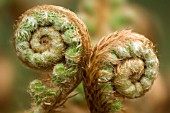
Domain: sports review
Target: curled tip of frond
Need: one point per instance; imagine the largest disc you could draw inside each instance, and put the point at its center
(132, 59)
(45, 34)
(123, 62)
(52, 39)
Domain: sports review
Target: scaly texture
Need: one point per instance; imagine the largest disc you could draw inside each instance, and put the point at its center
(52, 39)
(122, 63)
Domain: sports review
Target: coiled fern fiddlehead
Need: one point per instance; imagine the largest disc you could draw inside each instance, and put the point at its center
(52, 39)
(122, 63)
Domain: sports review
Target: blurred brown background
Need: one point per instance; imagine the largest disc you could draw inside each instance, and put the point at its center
(148, 17)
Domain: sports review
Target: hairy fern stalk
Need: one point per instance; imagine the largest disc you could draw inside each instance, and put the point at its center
(122, 64)
(52, 39)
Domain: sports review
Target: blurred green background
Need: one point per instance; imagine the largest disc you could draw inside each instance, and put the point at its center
(152, 18)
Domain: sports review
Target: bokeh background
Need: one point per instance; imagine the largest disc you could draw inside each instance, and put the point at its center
(148, 17)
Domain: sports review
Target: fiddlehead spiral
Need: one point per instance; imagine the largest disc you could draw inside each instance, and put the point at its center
(123, 63)
(52, 39)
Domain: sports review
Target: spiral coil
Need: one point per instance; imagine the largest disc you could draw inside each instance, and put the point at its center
(124, 64)
(52, 39)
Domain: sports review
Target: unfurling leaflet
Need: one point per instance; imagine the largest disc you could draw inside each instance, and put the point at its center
(52, 39)
(122, 64)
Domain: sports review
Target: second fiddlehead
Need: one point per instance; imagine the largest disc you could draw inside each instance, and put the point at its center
(122, 63)
(52, 39)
